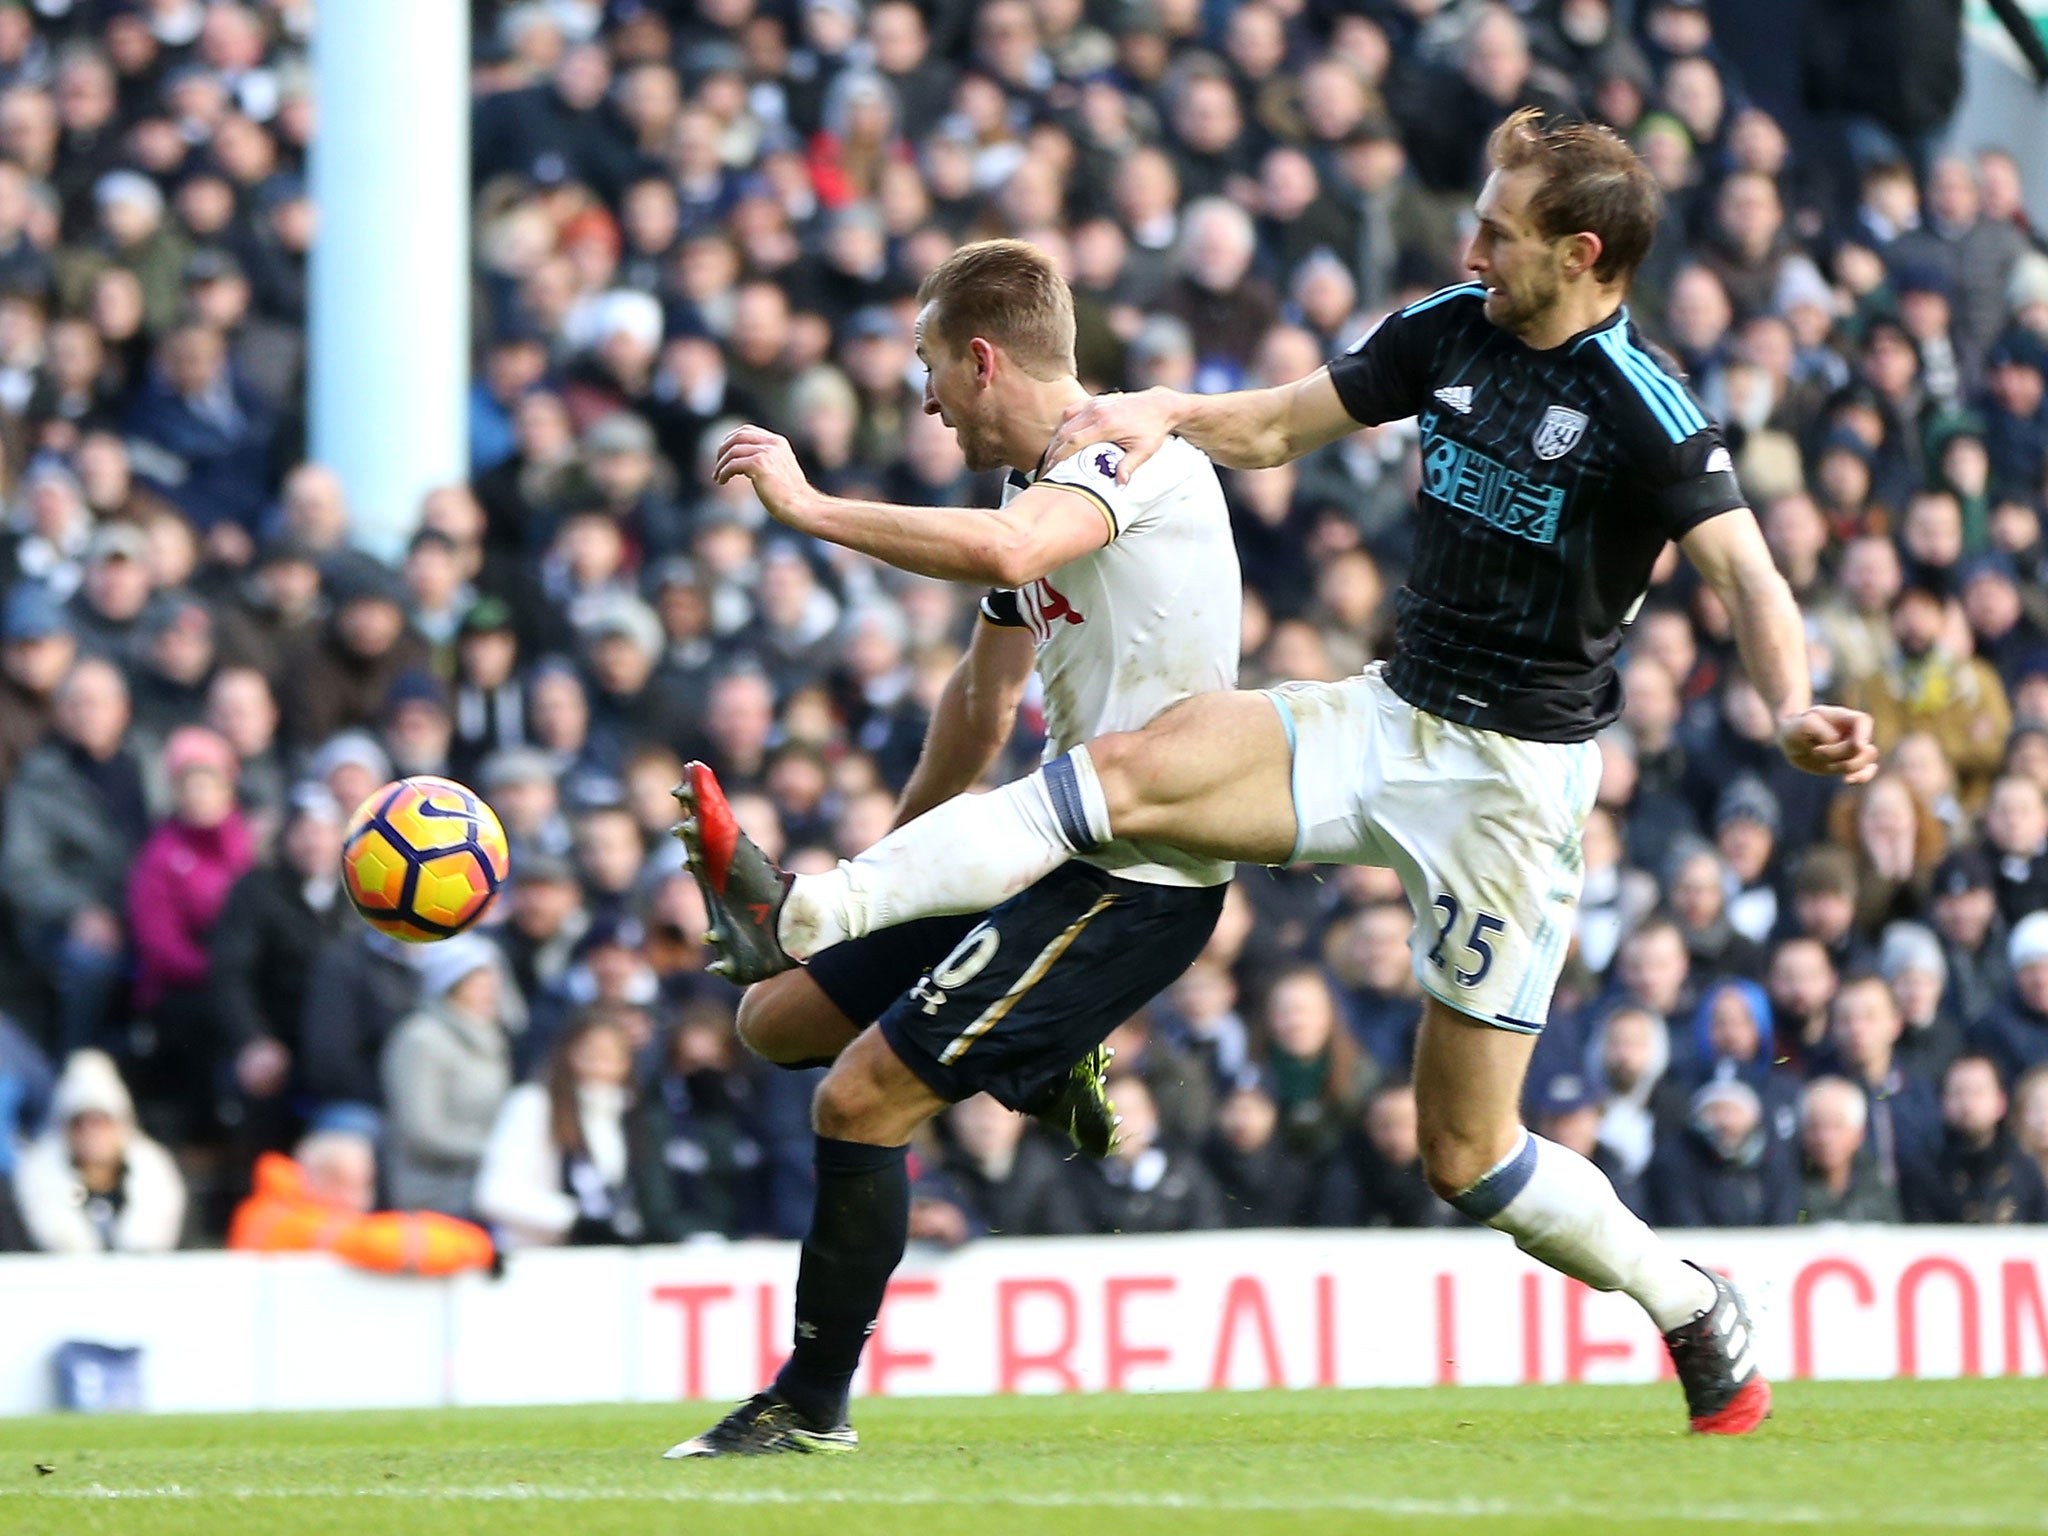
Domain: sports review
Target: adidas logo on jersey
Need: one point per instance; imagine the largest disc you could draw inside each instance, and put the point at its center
(1458, 397)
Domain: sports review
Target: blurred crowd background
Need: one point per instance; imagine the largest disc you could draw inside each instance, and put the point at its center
(1784, 1004)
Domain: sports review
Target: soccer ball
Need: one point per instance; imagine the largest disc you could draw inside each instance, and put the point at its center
(422, 859)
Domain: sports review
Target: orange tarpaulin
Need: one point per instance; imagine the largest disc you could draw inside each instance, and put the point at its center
(282, 1216)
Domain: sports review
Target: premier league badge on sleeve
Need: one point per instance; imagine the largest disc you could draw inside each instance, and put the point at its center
(1558, 433)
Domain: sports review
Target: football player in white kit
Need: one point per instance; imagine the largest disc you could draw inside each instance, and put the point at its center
(1125, 597)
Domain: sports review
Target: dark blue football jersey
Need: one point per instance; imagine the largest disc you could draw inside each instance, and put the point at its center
(1551, 481)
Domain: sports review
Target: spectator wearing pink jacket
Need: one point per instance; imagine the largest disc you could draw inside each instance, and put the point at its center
(179, 883)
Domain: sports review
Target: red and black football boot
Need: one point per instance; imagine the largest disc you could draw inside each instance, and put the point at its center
(1725, 1393)
(743, 890)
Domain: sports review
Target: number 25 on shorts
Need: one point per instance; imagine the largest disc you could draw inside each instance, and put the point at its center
(1483, 924)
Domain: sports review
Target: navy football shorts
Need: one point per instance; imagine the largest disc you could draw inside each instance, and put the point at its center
(1005, 1002)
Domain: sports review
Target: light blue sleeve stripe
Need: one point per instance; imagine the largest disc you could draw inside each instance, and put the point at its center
(1631, 364)
(1644, 388)
(1443, 297)
(1659, 401)
(1673, 392)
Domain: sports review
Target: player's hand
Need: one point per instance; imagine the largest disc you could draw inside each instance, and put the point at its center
(1139, 424)
(770, 463)
(1830, 740)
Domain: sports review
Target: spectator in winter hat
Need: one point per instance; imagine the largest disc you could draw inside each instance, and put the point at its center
(350, 764)
(1911, 962)
(131, 234)
(170, 686)
(181, 878)
(522, 787)
(1973, 935)
(36, 650)
(446, 1070)
(2015, 1033)
(1725, 1168)
(627, 703)
(109, 612)
(1565, 1108)
(341, 680)
(489, 707)
(1746, 827)
(2016, 412)
(93, 1182)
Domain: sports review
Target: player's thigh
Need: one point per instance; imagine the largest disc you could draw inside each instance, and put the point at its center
(812, 1014)
(870, 1096)
(1044, 979)
(1485, 833)
(1468, 1094)
(789, 1019)
(1209, 775)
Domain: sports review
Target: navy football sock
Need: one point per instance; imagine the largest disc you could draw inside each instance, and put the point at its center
(858, 1228)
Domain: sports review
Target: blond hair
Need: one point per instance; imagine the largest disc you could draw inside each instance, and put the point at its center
(1009, 294)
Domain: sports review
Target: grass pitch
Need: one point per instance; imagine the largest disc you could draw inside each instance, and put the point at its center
(1949, 1456)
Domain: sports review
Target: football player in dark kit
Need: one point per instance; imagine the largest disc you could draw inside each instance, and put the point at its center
(1559, 456)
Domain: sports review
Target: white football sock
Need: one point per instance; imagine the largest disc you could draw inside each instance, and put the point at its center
(1561, 1209)
(967, 855)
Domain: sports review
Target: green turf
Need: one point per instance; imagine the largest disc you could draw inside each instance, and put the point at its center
(1952, 1456)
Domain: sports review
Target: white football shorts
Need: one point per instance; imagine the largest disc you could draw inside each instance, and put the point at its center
(1483, 829)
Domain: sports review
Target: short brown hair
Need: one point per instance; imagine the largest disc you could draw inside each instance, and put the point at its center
(1592, 182)
(1008, 293)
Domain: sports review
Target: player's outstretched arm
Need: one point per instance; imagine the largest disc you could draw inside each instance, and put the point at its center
(1038, 532)
(1730, 552)
(976, 713)
(1246, 429)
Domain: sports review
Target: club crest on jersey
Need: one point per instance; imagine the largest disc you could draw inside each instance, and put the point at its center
(1558, 433)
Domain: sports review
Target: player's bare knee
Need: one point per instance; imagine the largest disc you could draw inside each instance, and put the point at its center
(1127, 767)
(755, 1022)
(1452, 1161)
(846, 1105)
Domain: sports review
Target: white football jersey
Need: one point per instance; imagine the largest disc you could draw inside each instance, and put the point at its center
(1153, 616)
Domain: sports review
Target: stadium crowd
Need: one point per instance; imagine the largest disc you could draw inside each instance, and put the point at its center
(1782, 1004)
